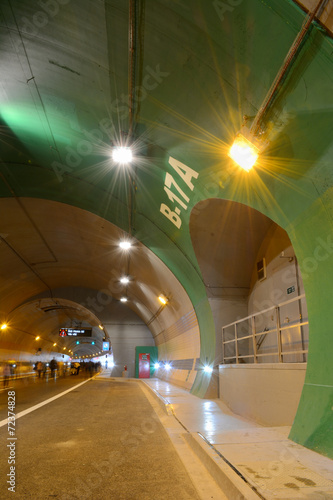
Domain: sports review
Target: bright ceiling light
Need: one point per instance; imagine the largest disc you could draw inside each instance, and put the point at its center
(3, 326)
(156, 366)
(123, 299)
(101, 327)
(125, 245)
(167, 367)
(122, 155)
(208, 369)
(244, 152)
(54, 344)
(163, 299)
(124, 280)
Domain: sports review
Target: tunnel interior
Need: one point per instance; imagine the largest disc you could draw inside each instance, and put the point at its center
(177, 83)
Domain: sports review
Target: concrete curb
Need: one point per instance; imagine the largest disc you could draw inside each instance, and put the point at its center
(164, 404)
(232, 485)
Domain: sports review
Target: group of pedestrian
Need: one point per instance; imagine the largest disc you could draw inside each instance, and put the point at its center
(87, 367)
(41, 368)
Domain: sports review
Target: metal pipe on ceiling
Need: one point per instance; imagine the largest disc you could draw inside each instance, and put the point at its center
(132, 73)
(285, 68)
(131, 63)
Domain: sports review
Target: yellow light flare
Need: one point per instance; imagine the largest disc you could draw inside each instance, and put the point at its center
(163, 299)
(243, 152)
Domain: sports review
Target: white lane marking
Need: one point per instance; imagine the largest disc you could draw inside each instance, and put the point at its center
(39, 405)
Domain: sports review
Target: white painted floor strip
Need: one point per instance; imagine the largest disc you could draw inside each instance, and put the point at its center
(43, 403)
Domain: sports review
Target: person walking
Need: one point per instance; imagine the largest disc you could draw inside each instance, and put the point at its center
(53, 367)
(6, 375)
(39, 368)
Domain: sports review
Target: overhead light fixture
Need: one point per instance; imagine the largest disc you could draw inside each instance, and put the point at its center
(4, 326)
(167, 366)
(125, 245)
(101, 327)
(122, 155)
(37, 338)
(64, 348)
(124, 280)
(123, 299)
(54, 344)
(163, 299)
(208, 369)
(156, 366)
(244, 152)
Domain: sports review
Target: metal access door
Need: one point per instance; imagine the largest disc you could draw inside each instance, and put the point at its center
(144, 365)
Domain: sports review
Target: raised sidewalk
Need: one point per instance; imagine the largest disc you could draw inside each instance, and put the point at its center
(247, 460)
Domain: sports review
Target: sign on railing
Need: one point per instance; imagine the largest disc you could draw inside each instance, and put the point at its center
(279, 334)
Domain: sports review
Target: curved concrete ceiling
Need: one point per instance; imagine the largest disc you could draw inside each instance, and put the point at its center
(47, 246)
(226, 237)
(35, 325)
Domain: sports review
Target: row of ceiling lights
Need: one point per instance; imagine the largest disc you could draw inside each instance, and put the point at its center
(4, 326)
(121, 155)
(124, 245)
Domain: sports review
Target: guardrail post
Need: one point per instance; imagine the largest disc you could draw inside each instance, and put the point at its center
(236, 343)
(278, 332)
(253, 327)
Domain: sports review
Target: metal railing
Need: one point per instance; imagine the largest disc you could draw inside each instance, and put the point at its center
(284, 338)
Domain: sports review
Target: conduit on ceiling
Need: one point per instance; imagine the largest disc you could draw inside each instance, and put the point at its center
(290, 59)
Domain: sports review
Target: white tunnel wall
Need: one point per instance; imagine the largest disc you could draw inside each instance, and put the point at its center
(268, 392)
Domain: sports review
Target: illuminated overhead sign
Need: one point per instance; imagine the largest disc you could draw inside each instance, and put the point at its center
(75, 332)
(106, 346)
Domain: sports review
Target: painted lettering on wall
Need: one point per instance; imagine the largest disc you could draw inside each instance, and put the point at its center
(176, 191)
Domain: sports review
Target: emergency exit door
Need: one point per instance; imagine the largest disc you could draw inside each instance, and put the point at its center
(144, 365)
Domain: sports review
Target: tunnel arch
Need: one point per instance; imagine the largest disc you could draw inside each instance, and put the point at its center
(72, 272)
(230, 239)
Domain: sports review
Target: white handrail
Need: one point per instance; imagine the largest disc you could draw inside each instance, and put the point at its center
(278, 329)
(266, 310)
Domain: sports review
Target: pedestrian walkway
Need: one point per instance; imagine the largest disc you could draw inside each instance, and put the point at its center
(246, 459)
